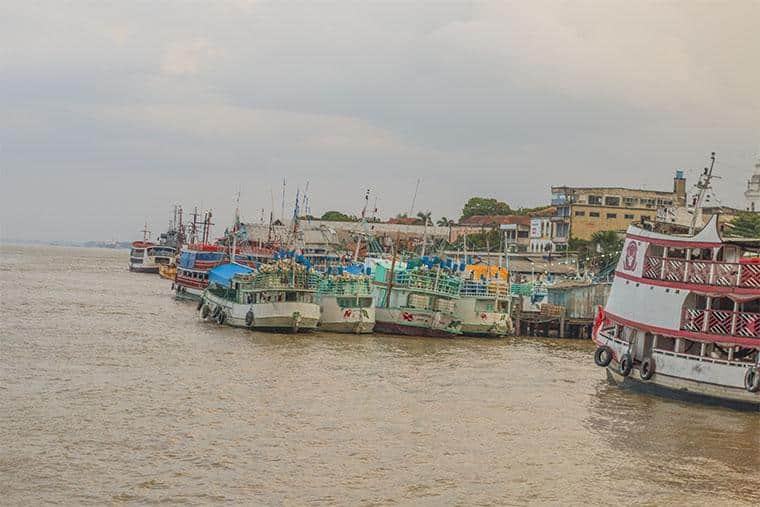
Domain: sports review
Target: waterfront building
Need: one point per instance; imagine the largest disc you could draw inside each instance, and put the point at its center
(752, 194)
(582, 211)
(541, 229)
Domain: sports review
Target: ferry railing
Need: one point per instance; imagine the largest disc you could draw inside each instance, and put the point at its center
(499, 289)
(345, 287)
(702, 272)
(285, 279)
(721, 322)
(429, 281)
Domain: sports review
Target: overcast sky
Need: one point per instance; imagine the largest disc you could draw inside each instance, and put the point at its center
(110, 112)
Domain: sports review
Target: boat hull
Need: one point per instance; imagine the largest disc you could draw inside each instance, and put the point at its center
(416, 322)
(334, 318)
(280, 316)
(690, 378)
(685, 390)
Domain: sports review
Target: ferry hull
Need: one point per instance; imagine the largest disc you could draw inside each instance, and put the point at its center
(685, 390)
(415, 322)
(283, 316)
(345, 320)
(139, 268)
(183, 292)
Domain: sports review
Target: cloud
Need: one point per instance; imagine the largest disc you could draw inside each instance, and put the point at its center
(185, 58)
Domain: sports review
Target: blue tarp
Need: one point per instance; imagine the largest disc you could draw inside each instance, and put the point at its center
(221, 275)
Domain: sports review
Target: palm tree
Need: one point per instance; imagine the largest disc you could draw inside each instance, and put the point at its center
(446, 222)
(424, 217)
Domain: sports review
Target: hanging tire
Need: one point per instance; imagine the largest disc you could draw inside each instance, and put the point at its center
(602, 356)
(752, 380)
(220, 317)
(626, 364)
(205, 311)
(215, 311)
(646, 370)
(200, 304)
(249, 318)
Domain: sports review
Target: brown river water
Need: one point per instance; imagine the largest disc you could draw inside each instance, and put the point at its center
(113, 392)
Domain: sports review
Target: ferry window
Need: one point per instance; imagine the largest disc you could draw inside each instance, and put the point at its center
(595, 199)
(628, 217)
(345, 302)
(290, 296)
(611, 215)
(612, 201)
(594, 214)
(365, 302)
(580, 213)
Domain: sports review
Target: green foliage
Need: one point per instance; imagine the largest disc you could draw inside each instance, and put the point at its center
(424, 217)
(603, 249)
(337, 216)
(489, 240)
(444, 222)
(745, 225)
(485, 206)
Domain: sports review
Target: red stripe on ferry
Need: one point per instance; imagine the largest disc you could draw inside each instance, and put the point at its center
(673, 242)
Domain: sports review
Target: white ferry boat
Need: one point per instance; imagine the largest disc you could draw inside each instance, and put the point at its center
(415, 300)
(146, 257)
(683, 317)
(274, 297)
(484, 307)
(346, 303)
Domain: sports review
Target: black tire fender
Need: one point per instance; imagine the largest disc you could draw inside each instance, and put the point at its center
(646, 370)
(205, 311)
(249, 318)
(200, 304)
(220, 317)
(215, 311)
(626, 364)
(602, 356)
(752, 380)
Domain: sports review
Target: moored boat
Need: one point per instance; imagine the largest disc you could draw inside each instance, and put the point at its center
(414, 299)
(277, 296)
(683, 317)
(346, 303)
(146, 256)
(484, 303)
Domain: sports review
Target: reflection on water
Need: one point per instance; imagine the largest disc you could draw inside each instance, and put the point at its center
(112, 391)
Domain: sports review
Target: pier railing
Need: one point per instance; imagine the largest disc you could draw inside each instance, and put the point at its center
(721, 322)
(702, 272)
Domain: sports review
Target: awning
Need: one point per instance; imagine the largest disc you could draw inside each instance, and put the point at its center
(221, 275)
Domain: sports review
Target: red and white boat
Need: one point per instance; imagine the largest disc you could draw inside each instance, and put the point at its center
(683, 317)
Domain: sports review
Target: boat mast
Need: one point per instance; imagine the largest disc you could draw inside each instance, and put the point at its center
(363, 226)
(390, 278)
(145, 231)
(703, 185)
(235, 222)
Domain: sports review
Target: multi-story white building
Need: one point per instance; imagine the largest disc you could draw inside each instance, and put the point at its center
(752, 195)
(541, 235)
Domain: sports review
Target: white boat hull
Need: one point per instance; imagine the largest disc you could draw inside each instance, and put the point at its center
(481, 323)
(288, 315)
(681, 376)
(339, 319)
(416, 322)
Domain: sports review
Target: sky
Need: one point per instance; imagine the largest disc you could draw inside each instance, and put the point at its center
(112, 112)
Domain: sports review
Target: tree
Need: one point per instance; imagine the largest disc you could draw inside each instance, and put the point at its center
(424, 217)
(745, 225)
(337, 216)
(446, 222)
(485, 206)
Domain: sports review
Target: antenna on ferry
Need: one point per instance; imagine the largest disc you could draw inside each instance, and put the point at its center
(703, 185)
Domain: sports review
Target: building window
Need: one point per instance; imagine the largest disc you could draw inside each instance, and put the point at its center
(580, 213)
(645, 218)
(648, 203)
(595, 199)
(612, 201)
(628, 217)
(594, 214)
(630, 202)
(611, 215)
